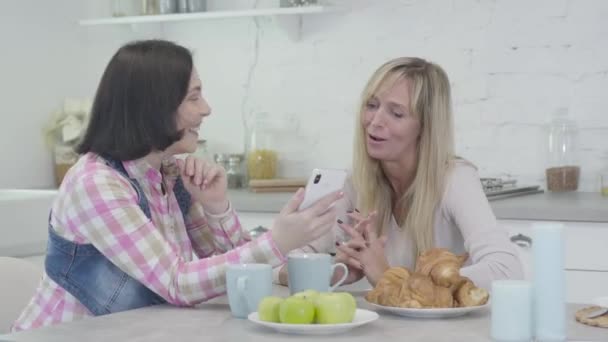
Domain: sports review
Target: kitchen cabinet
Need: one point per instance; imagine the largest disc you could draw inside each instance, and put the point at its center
(585, 256)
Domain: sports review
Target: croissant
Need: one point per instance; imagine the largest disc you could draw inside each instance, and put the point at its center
(428, 295)
(387, 290)
(437, 283)
(396, 275)
(470, 295)
(442, 266)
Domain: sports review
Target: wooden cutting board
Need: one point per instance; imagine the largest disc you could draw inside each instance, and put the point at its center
(277, 183)
(276, 189)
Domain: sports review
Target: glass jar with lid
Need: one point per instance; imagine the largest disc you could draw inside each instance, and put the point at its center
(261, 149)
(604, 175)
(234, 171)
(125, 8)
(562, 171)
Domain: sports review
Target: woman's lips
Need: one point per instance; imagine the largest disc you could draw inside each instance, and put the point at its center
(376, 138)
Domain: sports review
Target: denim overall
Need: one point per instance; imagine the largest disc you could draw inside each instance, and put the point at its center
(93, 279)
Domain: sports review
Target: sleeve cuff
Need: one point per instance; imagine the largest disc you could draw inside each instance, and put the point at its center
(219, 217)
(275, 249)
(226, 221)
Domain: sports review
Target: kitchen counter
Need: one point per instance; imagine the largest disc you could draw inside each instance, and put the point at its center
(571, 206)
(212, 322)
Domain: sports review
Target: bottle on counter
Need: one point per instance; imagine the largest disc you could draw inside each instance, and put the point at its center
(562, 171)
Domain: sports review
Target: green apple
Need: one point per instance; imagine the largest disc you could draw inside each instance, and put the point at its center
(294, 310)
(335, 308)
(268, 309)
(310, 295)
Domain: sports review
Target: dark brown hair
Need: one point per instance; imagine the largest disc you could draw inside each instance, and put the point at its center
(134, 111)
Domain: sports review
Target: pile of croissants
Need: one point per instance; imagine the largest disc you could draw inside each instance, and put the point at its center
(436, 283)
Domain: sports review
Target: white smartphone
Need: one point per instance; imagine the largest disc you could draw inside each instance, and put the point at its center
(322, 182)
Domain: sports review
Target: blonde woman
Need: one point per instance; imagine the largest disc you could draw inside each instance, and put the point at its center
(410, 187)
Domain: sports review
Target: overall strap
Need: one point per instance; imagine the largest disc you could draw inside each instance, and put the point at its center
(143, 201)
(182, 195)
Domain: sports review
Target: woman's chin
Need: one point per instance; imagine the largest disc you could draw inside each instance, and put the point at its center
(182, 148)
(376, 155)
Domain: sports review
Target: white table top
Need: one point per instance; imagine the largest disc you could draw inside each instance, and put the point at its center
(212, 321)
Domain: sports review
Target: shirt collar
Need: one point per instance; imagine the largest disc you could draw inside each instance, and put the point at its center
(140, 169)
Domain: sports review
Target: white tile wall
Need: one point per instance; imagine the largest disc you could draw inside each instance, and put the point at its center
(512, 63)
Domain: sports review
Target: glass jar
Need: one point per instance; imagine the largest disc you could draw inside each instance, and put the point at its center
(124, 8)
(234, 171)
(297, 3)
(562, 170)
(155, 7)
(197, 5)
(185, 6)
(202, 151)
(604, 175)
(221, 159)
(261, 150)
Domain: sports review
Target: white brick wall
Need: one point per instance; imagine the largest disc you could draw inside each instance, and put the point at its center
(512, 63)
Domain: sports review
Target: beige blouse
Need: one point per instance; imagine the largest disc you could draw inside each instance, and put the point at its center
(464, 222)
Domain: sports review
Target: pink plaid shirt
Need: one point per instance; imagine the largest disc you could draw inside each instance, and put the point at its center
(97, 205)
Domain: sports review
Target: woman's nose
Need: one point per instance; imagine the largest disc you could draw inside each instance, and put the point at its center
(206, 109)
(378, 119)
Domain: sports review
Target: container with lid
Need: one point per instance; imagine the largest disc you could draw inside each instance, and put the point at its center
(125, 8)
(563, 170)
(262, 155)
(234, 171)
(604, 175)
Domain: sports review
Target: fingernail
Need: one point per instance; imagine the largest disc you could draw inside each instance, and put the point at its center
(340, 221)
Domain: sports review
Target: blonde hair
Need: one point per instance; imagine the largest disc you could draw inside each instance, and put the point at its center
(431, 104)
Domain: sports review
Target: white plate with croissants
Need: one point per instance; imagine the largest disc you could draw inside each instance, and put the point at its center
(434, 290)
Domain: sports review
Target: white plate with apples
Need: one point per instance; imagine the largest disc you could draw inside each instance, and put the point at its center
(361, 317)
(311, 313)
(429, 313)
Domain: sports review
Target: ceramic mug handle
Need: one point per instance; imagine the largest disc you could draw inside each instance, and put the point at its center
(339, 282)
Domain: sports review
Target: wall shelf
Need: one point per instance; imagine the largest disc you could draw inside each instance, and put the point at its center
(289, 17)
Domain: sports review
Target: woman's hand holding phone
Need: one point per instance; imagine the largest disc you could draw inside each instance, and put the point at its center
(295, 228)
